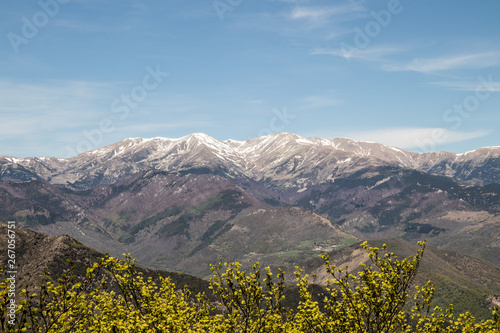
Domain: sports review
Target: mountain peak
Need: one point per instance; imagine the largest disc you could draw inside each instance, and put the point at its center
(283, 138)
(198, 136)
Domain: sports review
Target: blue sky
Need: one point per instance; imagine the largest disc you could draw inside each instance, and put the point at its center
(78, 75)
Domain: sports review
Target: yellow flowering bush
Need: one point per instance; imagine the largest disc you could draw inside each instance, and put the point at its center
(115, 297)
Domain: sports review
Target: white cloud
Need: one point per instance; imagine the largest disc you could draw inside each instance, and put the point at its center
(315, 13)
(415, 137)
(369, 53)
(317, 16)
(304, 20)
(467, 61)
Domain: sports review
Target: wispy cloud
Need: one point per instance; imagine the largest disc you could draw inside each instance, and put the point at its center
(316, 16)
(466, 61)
(39, 116)
(320, 13)
(304, 20)
(370, 53)
(414, 137)
(64, 111)
(31, 108)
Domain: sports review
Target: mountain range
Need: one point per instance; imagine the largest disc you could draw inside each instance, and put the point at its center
(180, 204)
(283, 157)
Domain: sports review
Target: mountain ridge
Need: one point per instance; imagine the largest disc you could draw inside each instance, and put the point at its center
(338, 143)
(252, 158)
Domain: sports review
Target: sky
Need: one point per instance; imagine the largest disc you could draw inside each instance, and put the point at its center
(76, 75)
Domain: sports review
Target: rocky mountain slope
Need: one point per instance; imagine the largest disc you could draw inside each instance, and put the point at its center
(470, 284)
(41, 258)
(174, 222)
(180, 204)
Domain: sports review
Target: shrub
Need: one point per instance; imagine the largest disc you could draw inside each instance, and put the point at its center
(115, 297)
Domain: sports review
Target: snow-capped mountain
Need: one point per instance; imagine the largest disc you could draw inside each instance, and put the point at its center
(283, 157)
(176, 203)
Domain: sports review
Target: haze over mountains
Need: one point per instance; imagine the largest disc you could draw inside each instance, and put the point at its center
(180, 204)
